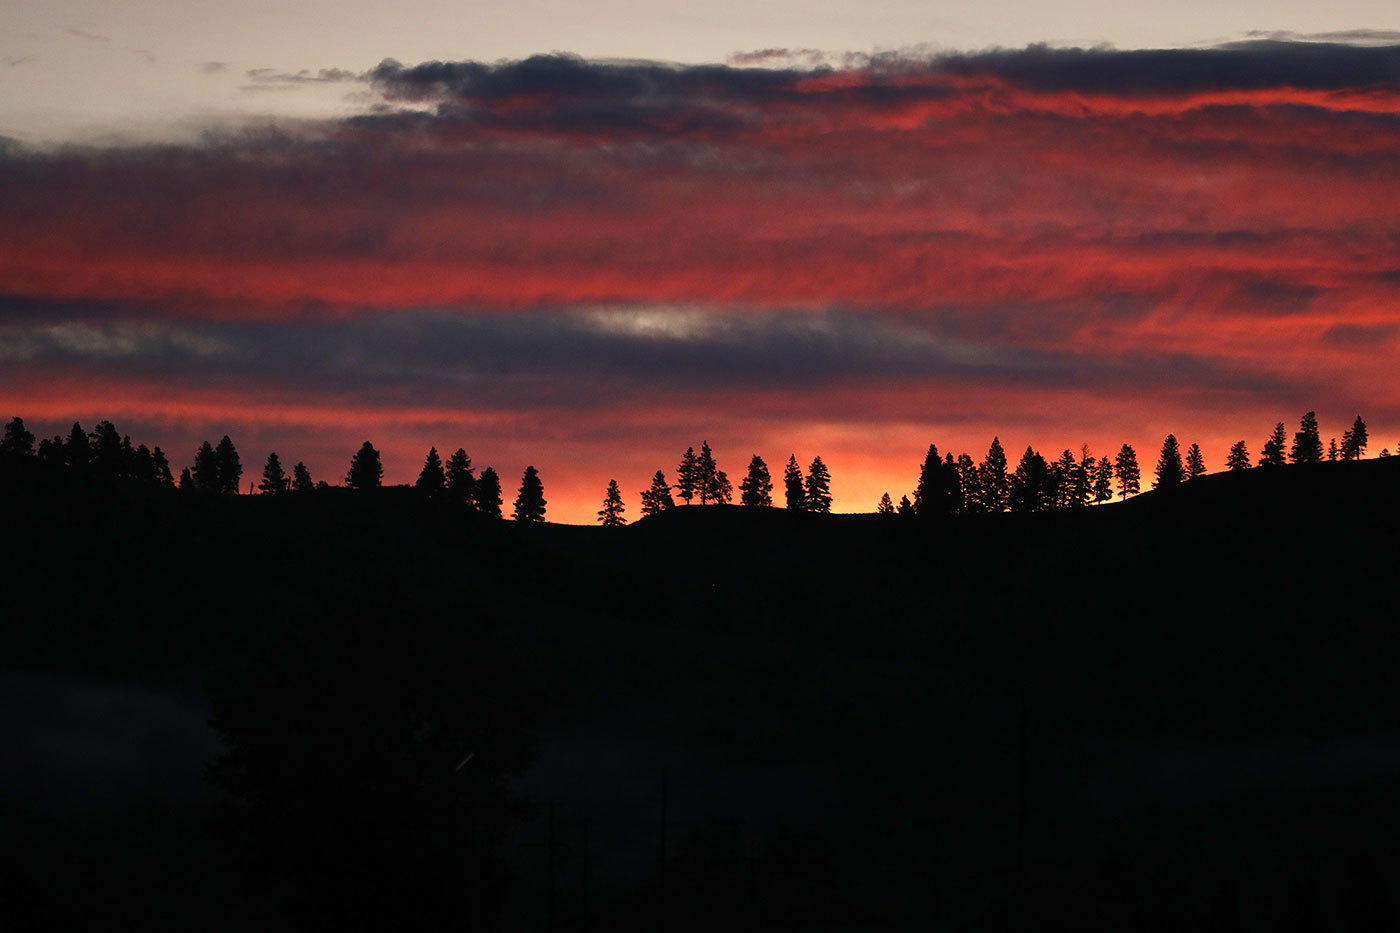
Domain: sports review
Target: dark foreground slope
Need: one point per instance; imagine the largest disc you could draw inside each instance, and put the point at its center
(1176, 712)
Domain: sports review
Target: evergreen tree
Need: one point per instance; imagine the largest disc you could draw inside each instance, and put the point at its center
(530, 500)
(1169, 469)
(818, 491)
(905, 506)
(105, 450)
(969, 484)
(1354, 440)
(274, 479)
(1071, 482)
(611, 514)
(301, 478)
(366, 472)
(206, 469)
(688, 476)
(724, 489)
(1272, 453)
(1238, 458)
(658, 497)
(757, 487)
(18, 442)
(953, 483)
(886, 507)
(230, 470)
(1032, 486)
(706, 475)
(992, 478)
(1307, 443)
(432, 479)
(1332, 448)
(77, 454)
(186, 480)
(1125, 466)
(793, 487)
(460, 478)
(1195, 462)
(488, 493)
(1103, 481)
(928, 492)
(143, 466)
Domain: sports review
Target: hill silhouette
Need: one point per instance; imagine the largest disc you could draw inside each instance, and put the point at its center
(1173, 712)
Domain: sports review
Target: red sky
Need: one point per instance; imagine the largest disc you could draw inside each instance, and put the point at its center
(591, 266)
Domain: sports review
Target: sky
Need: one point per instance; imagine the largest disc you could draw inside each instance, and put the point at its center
(589, 238)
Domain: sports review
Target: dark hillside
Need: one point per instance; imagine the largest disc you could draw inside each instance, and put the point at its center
(1175, 712)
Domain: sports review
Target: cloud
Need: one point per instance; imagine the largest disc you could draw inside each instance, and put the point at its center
(83, 33)
(321, 76)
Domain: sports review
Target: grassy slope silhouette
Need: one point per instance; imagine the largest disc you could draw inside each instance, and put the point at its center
(1185, 702)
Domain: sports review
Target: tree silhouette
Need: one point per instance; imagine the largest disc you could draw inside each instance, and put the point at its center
(530, 500)
(954, 483)
(611, 513)
(143, 466)
(793, 487)
(688, 476)
(707, 475)
(105, 450)
(301, 478)
(160, 468)
(206, 469)
(1195, 462)
(993, 480)
(459, 477)
(76, 451)
(886, 507)
(1071, 482)
(1169, 469)
(1103, 481)
(757, 486)
(905, 506)
(366, 472)
(1273, 451)
(1354, 440)
(658, 497)
(1125, 466)
(1238, 458)
(18, 442)
(1332, 449)
(938, 491)
(1032, 486)
(187, 483)
(432, 479)
(969, 484)
(230, 470)
(488, 493)
(724, 489)
(818, 491)
(1307, 443)
(274, 480)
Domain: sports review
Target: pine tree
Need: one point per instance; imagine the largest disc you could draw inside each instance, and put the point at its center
(301, 478)
(1238, 458)
(928, 492)
(228, 465)
(105, 450)
(1083, 478)
(186, 480)
(160, 468)
(757, 487)
(793, 486)
(723, 489)
(1069, 482)
(1125, 466)
(1354, 440)
(460, 479)
(1307, 443)
(706, 475)
(1169, 469)
(952, 484)
(993, 480)
(611, 514)
(77, 452)
(274, 480)
(658, 497)
(905, 506)
(688, 476)
(366, 472)
(886, 507)
(530, 500)
(1032, 487)
(488, 493)
(432, 479)
(1332, 448)
(1103, 481)
(1272, 453)
(1195, 462)
(969, 484)
(206, 469)
(143, 467)
(818, 491)
(18, 442)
